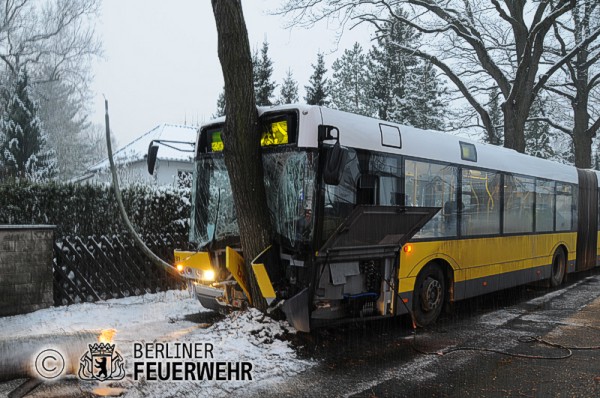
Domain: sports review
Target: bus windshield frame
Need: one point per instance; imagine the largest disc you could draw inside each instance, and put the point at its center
(290, 176)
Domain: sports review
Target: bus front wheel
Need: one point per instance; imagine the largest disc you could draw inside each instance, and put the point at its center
(429, 295)
(557, 273)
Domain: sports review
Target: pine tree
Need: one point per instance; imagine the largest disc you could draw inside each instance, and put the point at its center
(264, 87)
(23, 151)
(425, 98)
(318, 91)
(538, 134)
(388, 69)
(404, 89)
(65, 122)
(495, 112)
(220, 105)
(350, 87)
(289, 89)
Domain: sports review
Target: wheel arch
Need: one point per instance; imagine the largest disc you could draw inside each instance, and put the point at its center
(562, 245)
(448, 275)
(445, 263)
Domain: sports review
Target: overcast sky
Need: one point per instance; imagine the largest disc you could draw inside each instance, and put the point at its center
(161, 63)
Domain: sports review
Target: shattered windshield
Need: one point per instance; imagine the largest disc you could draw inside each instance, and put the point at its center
(289, 184)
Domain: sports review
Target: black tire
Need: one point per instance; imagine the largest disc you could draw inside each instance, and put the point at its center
(429, 295)
(558, 270)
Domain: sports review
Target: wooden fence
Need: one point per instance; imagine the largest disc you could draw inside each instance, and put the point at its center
(100, 268)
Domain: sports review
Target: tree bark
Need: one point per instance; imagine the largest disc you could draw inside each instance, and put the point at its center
(582, 137)
(515, 116)
(241, 137)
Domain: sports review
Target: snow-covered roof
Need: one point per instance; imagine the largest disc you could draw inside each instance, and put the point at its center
(138, 149)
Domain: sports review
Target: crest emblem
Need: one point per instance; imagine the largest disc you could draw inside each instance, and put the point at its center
(101, 363)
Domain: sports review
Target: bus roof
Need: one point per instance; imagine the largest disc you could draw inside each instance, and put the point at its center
(363, 132)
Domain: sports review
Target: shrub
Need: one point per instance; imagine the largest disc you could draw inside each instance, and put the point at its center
(86, 210)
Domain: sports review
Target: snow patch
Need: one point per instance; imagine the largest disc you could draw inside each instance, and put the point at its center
(241, 336)
(499, 318)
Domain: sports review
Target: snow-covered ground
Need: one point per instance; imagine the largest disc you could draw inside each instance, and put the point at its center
(241, 336)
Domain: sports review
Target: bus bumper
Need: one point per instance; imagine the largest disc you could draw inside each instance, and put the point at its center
(210, 297)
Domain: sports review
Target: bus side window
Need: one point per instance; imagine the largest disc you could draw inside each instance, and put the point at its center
(435, 185)
(518, 204)
(481, 191)
(564, 207)
(544, 206)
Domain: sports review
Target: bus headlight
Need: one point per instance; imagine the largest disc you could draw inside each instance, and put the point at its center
(179, 268)
(208, 275)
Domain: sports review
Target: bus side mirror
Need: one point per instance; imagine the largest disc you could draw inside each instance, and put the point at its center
(151, 158)
(335, 163)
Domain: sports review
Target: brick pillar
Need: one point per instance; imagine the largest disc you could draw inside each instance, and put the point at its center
(25, 268)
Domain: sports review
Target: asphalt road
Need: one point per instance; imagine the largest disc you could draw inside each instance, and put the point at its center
(386, 359)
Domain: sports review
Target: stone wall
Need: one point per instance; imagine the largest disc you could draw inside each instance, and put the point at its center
(25, 268)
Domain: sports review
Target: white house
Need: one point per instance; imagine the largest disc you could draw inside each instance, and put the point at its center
(174, 162)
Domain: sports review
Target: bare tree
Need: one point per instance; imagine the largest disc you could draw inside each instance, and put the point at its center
(241, 136)
(578, 80)
(478, 44)
(54, 40)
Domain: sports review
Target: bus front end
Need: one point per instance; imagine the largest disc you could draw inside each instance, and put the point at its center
(217, 272)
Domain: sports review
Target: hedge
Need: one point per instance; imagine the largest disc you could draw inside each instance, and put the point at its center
(86, 210)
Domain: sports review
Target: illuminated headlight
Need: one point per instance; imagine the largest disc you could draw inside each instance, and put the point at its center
(179, 267)
(208, 275)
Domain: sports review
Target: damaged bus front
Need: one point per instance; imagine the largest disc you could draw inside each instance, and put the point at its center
(289, 177)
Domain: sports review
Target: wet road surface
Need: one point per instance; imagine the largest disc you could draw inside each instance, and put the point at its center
(386, 359)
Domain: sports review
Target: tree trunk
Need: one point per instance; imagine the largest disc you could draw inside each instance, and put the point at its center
(583, 151)
(241, 137)
(582, 140)
(514, 127)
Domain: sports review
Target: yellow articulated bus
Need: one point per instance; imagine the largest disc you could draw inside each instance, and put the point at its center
(375, 219)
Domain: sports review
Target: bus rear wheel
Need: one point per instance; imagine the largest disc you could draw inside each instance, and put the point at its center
(557, 273)
(429, 295)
